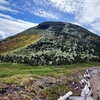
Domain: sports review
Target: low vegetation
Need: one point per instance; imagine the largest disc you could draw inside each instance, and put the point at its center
(44, 82)
(43, 61)
(18, 42)
(51, 43)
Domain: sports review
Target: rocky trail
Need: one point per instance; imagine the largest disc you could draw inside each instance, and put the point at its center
(95, 82)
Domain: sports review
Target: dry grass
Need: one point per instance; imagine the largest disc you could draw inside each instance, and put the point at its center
(18, 42)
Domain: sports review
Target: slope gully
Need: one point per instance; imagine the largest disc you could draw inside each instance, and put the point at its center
(91, 82)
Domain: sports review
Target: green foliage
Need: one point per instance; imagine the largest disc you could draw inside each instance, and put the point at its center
(23, 76)
(56, 91)
(58, 29)
(8, 69)
(18, 42)
(52, 43)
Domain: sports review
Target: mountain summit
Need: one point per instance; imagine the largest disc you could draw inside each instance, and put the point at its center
(51, 43)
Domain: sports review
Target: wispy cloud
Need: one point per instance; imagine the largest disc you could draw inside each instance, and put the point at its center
(10, 26)
(67, 6)
(86, 12)
(42, 9)
(4, 2)
(5, 6)
(96, 26)
(89, 12)
(48, 15)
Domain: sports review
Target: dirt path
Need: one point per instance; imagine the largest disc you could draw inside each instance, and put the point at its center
(95, 82)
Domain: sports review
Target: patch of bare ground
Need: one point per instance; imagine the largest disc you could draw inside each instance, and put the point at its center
(95, 82)
(32, 89)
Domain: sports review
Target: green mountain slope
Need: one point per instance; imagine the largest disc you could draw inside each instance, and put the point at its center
(18, 41)
(53, 43)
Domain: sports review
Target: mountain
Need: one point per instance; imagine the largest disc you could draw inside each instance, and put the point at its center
(51, 43)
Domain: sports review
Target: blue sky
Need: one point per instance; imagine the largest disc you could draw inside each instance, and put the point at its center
(19, 15)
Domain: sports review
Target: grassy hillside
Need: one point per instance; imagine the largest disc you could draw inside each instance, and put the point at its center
(18, 42)
(51, 43)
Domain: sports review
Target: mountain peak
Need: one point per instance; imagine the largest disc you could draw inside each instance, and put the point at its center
(54, 43)
(48, 24)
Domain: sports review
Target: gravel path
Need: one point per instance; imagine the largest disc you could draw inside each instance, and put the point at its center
(95, 82)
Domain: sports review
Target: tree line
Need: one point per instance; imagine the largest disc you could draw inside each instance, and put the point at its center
(44, 59)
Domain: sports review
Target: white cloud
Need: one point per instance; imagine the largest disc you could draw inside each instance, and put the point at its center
(43, 3)
(76, 23)
(89, 12)
(48, 15)
(2, 8)
(96, 26)
(5, 16)
(10, 26)
(67, 6)
(2, 34)
(41, 8)
(86, 12)
(91, 30)
(4, 2)
(5, 6)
